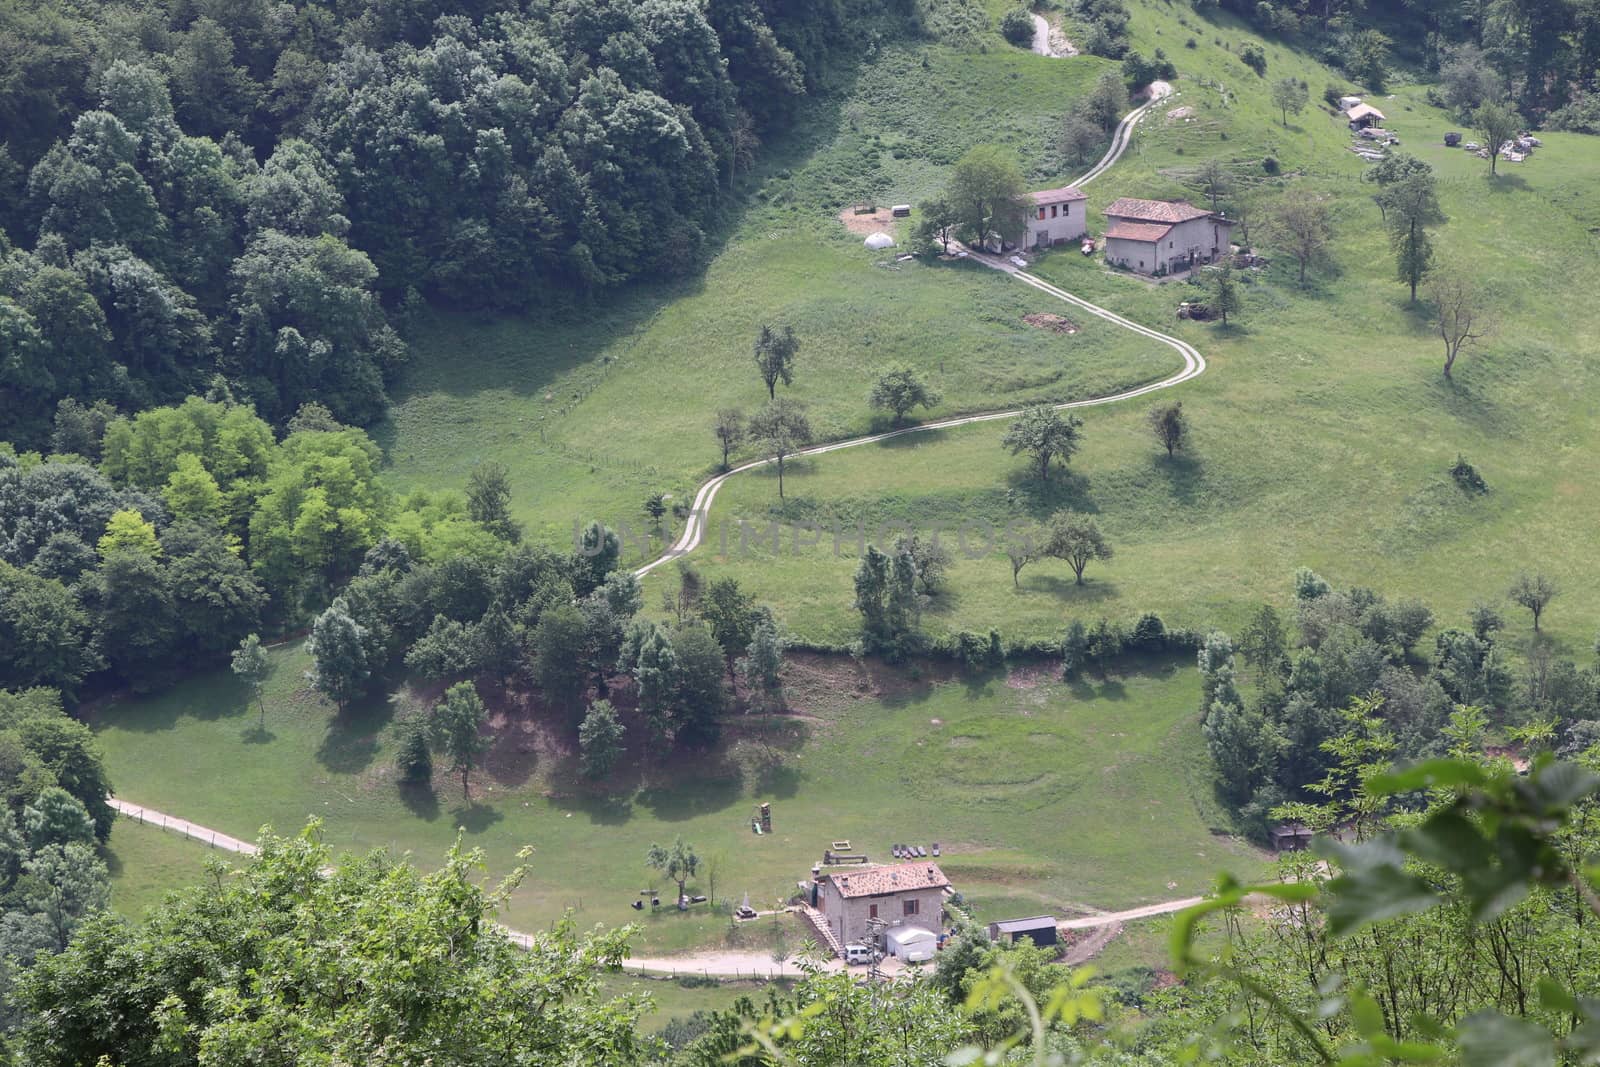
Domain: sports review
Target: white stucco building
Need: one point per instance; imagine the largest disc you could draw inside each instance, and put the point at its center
(1058, 215)
(1162, 236)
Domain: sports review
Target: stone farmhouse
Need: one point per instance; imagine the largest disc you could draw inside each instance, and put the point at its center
(1058, 215)
(1163, 236)
(898, 895)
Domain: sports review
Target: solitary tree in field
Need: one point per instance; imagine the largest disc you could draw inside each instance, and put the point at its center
(1222, 291)
(937, 221)
(461, 717)
(989, 194)
(251, 666)
(1412, 206)
(1458, 313)
(781, 428)
(729, 428)
(1078, 540)
(678, 863)
(1497, 125)
(1045, 434)
(1289, 95)
(1168, 423)
(1299, 225)
(898, 389)
(1534, 592)
(775, 351)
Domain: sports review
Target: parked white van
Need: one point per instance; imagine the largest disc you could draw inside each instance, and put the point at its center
(855, 953)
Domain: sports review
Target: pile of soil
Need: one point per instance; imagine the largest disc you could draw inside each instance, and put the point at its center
(1043, 320)
(868, 221)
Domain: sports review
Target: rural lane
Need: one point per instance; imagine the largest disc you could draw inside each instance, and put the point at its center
(1194, 364)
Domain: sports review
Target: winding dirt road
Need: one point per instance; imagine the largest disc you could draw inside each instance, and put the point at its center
(741, 964)
(1194, 364)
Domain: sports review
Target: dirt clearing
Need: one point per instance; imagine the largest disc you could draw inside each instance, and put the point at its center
(867, 222)
(1043, 320)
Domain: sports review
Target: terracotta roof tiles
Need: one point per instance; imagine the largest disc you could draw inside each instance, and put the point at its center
(895, 878)
(1169, 211)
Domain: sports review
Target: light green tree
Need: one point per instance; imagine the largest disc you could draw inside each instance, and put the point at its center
(251, 665)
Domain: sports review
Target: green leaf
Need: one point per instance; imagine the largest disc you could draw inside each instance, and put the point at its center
(1489, 1039)
(1373, 886)
(1428, 774)
(1450, 840)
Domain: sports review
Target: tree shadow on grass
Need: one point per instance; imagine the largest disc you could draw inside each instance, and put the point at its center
(256, 734)
(778, 779)
(1182, 471)
(907, 440)
(1066, 587)
(1065, 489)
(420, 799)
(691, 786)
(351, 741)
(475, 818)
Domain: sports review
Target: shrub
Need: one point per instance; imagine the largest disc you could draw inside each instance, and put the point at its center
(1467, 476)
(1074, 651)
(414, 759)
(1149, 633)
(1254, 57)
(1270, 164)
(1190, 43)
(1105, 642)
(1016, 26)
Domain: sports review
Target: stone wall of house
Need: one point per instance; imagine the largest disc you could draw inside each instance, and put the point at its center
(848, 915)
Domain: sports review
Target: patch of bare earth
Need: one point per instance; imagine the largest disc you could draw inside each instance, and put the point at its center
(1029, 676)
(1178, 113)
(818, 682)
(868, 221)
(1044, 320)
(1081, 946)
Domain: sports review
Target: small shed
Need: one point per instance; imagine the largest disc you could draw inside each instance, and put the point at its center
(911, 943)
(879, 240)
(1040, 929)
(1364, 115)
(1291, 837)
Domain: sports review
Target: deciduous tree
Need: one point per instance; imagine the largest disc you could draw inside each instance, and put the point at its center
(1497, 125)
(730, 430)
(1534, 592)
(1169, 424)
(899, 389)
(1299, 224)
(781, 428)
(461, 717)
(1045, 434)
(1077, 539)
(678, 862)
(1459, 315)
(252, 665)
(340, 668)
(775, 352)
(1290, 94)
(988, 191)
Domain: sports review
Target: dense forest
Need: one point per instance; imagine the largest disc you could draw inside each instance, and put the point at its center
(254, 190)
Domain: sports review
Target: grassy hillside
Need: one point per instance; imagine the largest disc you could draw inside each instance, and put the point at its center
(1043, 795)
(1323, 429)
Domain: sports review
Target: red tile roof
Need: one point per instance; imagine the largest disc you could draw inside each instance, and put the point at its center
(1155, 210)
(895, 878)
(1056, 196)
(1139, 231)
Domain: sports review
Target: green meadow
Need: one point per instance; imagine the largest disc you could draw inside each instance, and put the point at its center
(1043, 795)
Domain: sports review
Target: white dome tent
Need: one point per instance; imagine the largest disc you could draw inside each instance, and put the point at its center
(878, 241)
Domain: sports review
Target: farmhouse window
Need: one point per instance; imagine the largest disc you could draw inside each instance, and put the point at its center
(1041, 213)
(1052, 211)
(911, 906)
(872, 911)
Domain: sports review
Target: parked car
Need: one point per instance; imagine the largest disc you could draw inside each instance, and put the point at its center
(855, 953)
